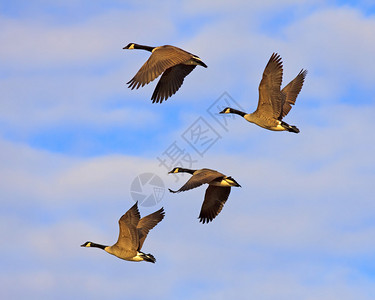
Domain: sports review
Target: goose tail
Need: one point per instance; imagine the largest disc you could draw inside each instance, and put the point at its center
(290, 128)
(147, 257)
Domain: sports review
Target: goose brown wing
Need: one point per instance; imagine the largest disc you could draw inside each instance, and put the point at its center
(290, 92)
(269, 104)
(202, 177)
(213, 203)
(160, 60)
(170, 82)
(147, 223)
(128, 235)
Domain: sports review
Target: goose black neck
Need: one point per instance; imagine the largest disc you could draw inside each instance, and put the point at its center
(97, 245)
(180, 170)
(237, 112)
(143, 47)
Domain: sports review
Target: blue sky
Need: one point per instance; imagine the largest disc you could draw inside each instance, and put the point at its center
(73, 137)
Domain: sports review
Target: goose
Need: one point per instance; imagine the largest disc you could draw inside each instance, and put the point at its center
(133, 232)
(273, 104)
(217, 192)
(173, 62)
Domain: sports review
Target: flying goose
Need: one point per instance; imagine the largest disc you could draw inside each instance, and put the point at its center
(273, 104)
(133, 232)
(217, 192)
(173, 62)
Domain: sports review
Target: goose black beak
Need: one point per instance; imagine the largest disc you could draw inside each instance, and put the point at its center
(222, 112)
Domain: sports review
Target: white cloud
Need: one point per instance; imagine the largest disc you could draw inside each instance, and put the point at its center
(240, 7)
(72, 74)
(40, 44)
(52, 179)
(336, 45)
(234, 48)
(262, 228)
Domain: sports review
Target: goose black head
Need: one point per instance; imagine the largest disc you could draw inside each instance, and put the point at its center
(87, 244)
(226, 110)
(129, 46)
(175, 170)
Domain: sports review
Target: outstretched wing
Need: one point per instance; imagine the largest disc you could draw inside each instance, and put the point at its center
(147, 223)
(269, 104)
(204, 176)
(213, 203)
(161, 59)
(290, 92)
(170, 82)
(128, 236)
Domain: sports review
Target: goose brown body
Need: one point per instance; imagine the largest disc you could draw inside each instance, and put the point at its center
(274, 104)
(216, 195)
(172, 62)
(132, 234)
